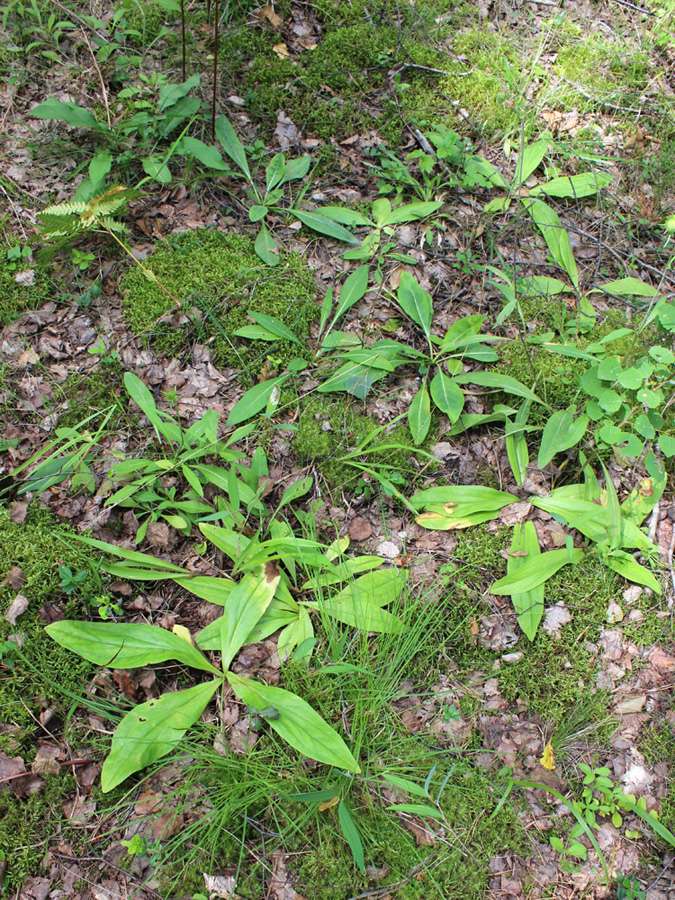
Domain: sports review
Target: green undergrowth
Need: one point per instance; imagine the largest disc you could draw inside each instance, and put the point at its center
(92, 393)
(256, 787)
(28, 824)
(29, 679)
(218, 279)
(16, 299)
(328, 428)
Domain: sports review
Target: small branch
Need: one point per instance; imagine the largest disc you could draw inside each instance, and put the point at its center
(100, 78)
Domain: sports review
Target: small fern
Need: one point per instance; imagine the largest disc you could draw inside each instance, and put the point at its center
(70, 219)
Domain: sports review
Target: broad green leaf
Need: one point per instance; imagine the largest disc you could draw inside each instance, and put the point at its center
(207, 587)
(518, 455)
(142, 397)
(447, 396)
(667, 445)
(245, 606)
(157, 169)
(353, 290)
(152, 563)
(276, 616)
(528, 161)
(542, 286)
(410, 786)
(473, 495)
(318, 222)
(100, 166)
(360, 603)
(419, 415)
(586, 184)
(297, 489)
(440, 521)
(206, 154)
(351, 835)
(254, 401)
(504, 383)
(344, 216)
(274, 174)
(555, 235)
(296, 168)
(535, 572)
(232, 145)
(625, 565)
(275, 326)
(314, 796)
(588, 518)
(121, 645)
(459, 331)
(170, 94)
(152, 730)
(626, 287)
(256, 333)
(409, 213)
(298, 723)
(560, 433)
(266, 248)
(529, 606)
(257, 213)
(70, 112)
(415, 302)
(295, 633)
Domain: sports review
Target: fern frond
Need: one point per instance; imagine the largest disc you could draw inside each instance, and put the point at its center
(112, 225)
(69, 208)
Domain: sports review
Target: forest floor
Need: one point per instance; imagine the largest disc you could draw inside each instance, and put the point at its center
(526, 348)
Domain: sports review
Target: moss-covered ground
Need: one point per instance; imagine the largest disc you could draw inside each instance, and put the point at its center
(345, 82)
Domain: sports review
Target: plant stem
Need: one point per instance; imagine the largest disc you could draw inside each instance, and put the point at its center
(215, 69)
(182, 26)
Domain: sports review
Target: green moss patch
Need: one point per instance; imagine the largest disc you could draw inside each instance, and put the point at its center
(218, 279)
(329, 428)
(16, 298)
(42, 671)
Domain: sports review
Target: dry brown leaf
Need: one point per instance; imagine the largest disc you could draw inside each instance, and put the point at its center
(360, 529)
(281, 51)
(268, 12)
(14, 578)
(17, 512)
(17, 608)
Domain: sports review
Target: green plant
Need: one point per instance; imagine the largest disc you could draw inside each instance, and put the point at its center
(628, 888)
(34, 27)
(598, 515)
(277, 174)
(256, 606)
(71, 582)
(17, 257)
(362, 366)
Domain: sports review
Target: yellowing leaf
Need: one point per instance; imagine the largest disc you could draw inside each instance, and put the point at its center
(281, 51)
(328, 804)
(182, 632)
(548, 759)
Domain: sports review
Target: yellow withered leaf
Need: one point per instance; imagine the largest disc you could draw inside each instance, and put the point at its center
(182, 632)
(548, 759)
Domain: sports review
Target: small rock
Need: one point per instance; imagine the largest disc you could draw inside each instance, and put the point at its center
(388, 550)
(632, 594)
(614, 613)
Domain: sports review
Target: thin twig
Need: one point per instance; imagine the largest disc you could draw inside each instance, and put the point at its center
(100, 78)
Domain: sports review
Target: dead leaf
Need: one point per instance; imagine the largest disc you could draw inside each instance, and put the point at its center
(360, 529)
(220, 886)
(17, 608)
(630, 705)
(268, 12)
(27, 277)
(158, 535)
(556, 617)
(17, 512)
(14, 578)
(281, 51)
(280, 886)
(28, 358)
(46, 761)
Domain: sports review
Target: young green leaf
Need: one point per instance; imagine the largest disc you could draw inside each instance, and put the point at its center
(409, 212)
(142, 397)
(502, 382)
(274, 174)
(232, 145)
(345, 216)
(206, 154)
(535, 572)
(254, 401)
(447, 396)
(419, 415)
(353, 290)
(152, 730)
(410, 786)
(318, 222)
(555, 234)
(265, 246)
(472, 497)
(417, 809)
(415, 302)
(585, 184)
(298, 723)
(625, 565)
(529, 606)
(351, 835)
(70, 112)
(560, 433)
(296, 168)
(529, 161)
(245, 606)
(275, 326)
